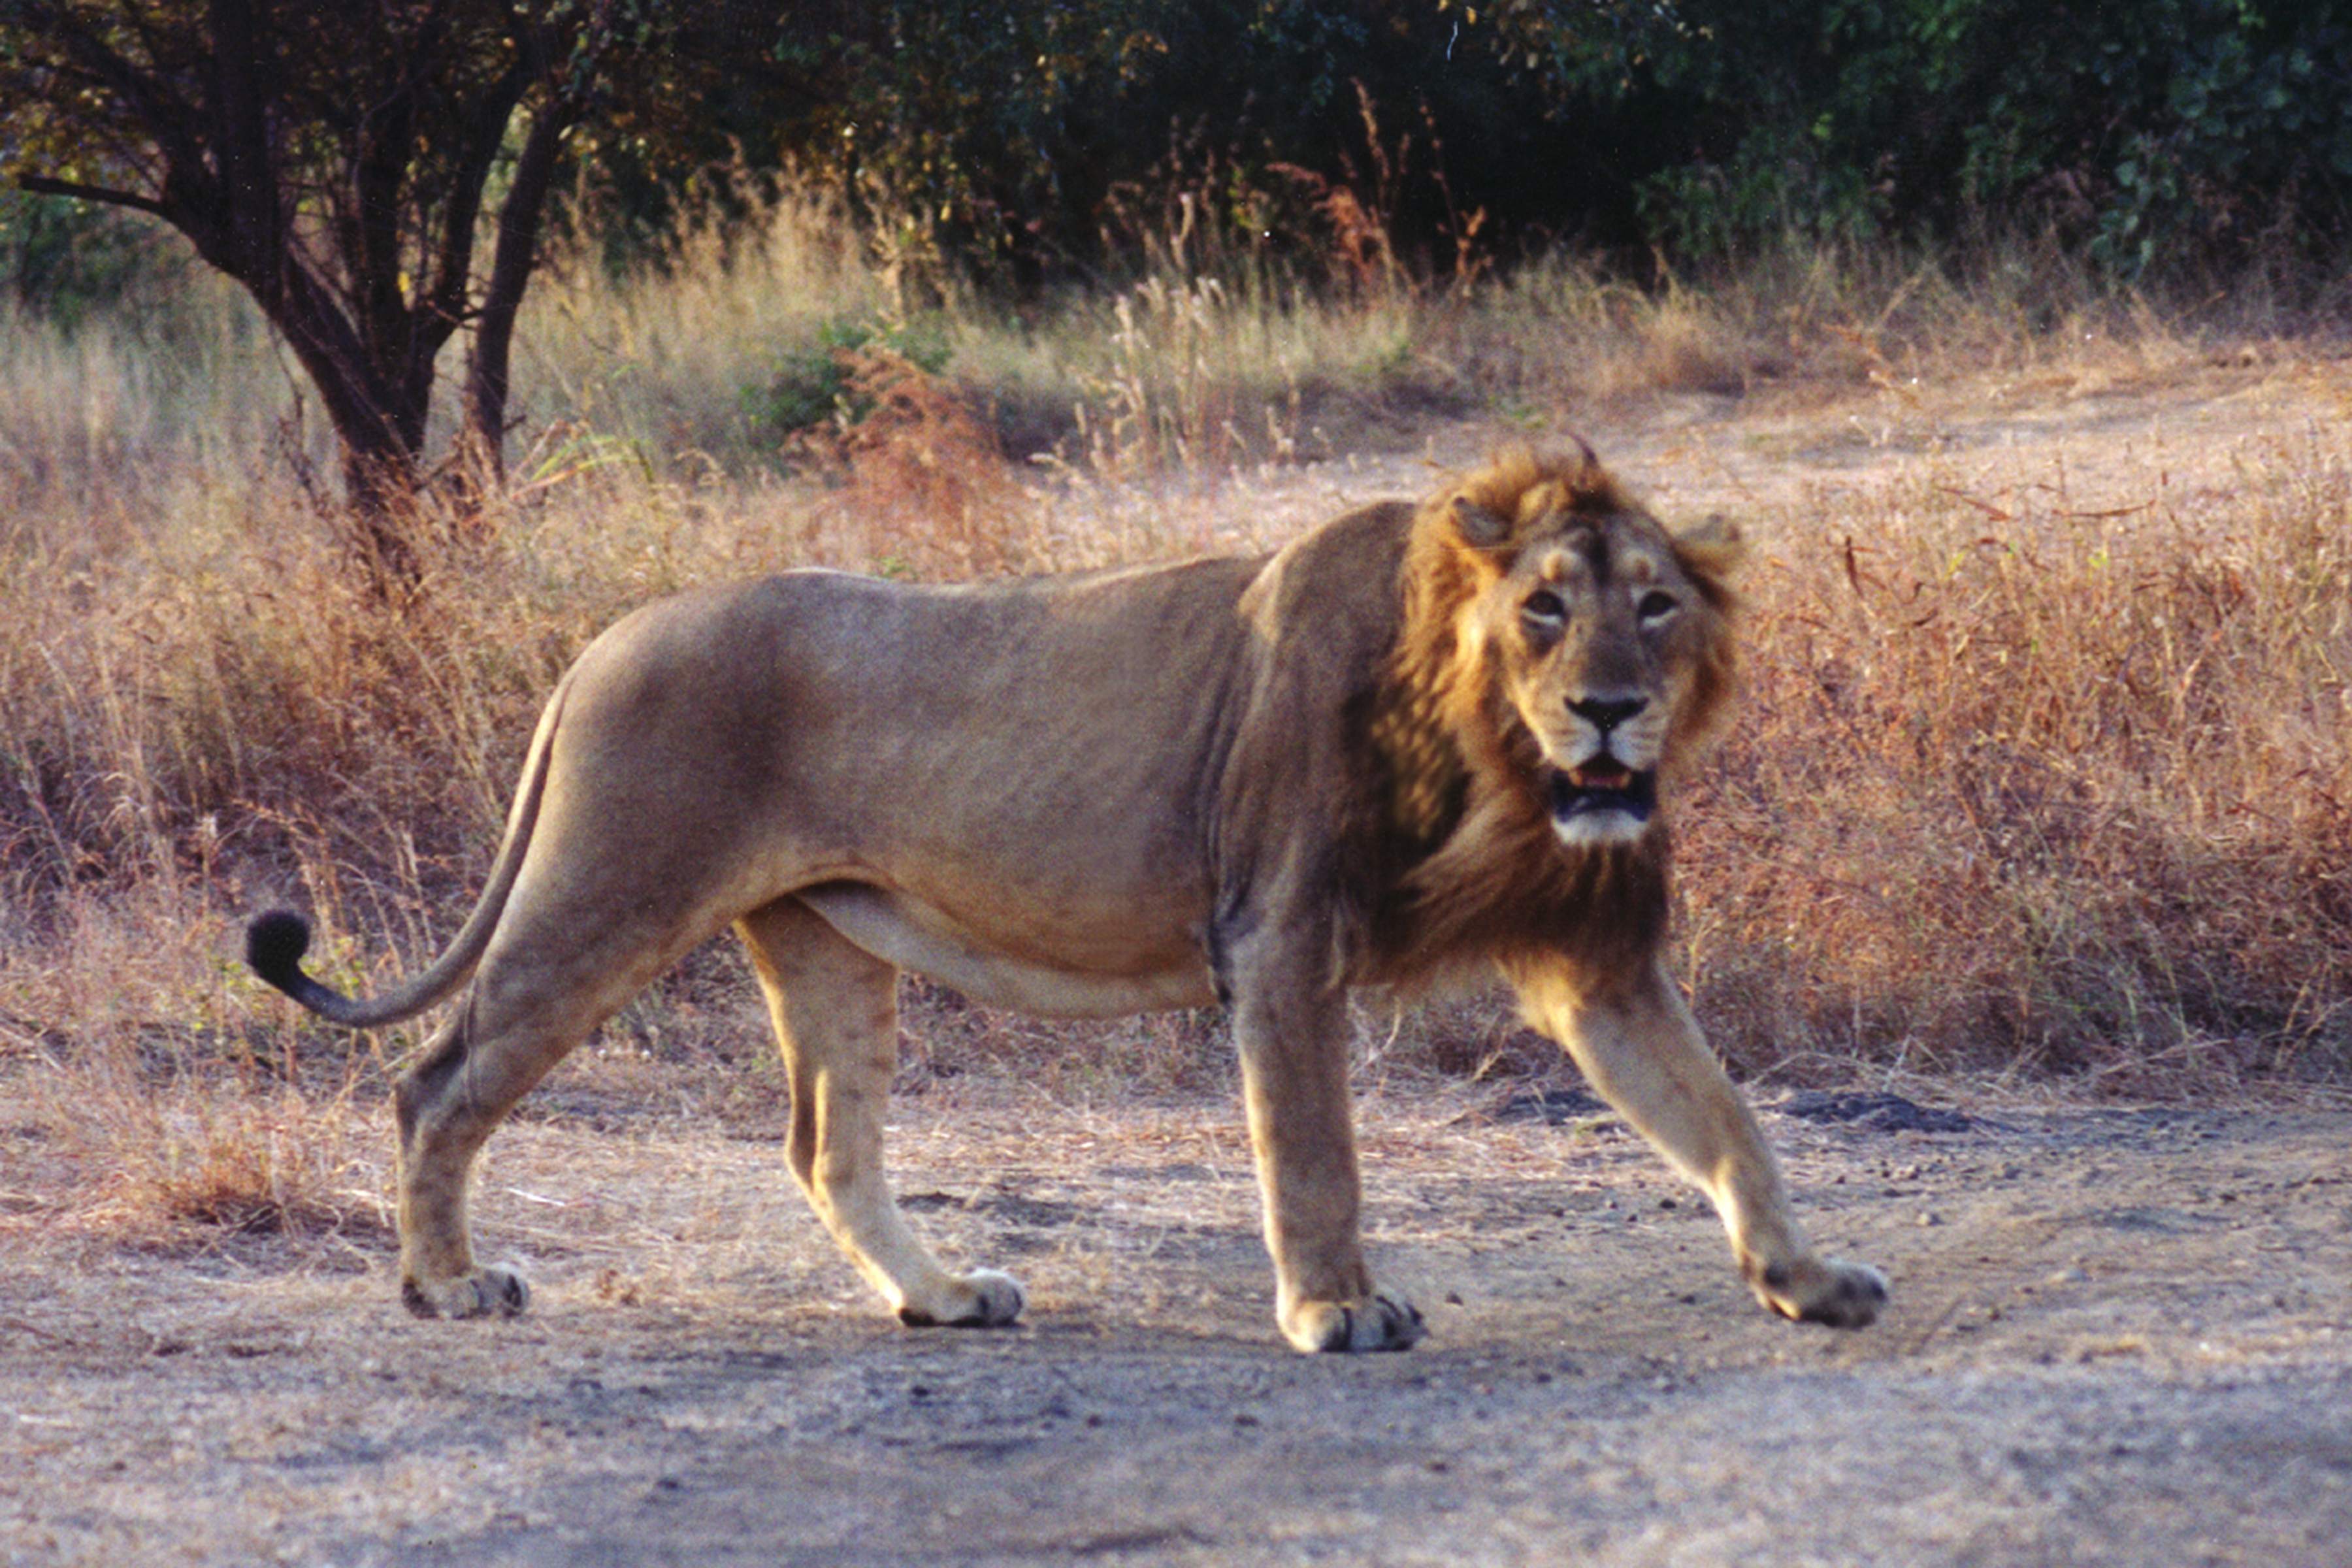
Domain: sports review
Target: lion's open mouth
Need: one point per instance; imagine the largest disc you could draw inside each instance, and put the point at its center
(1603, 785)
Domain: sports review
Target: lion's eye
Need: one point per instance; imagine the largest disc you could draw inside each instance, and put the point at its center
(1656, 605)
(1543, 604)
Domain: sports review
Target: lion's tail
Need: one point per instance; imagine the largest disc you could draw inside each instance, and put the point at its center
(275, 942)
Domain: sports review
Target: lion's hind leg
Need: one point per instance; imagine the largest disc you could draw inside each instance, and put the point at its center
(444, 1111)
(550, 976)
(836, 1016)
(500, 1042)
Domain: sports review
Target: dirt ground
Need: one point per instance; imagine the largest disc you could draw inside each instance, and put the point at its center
(2118, 1335)
(2120, 438)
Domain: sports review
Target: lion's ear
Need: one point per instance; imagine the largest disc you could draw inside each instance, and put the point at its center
(1713, 547)
(1479, 529)
(1569, 454)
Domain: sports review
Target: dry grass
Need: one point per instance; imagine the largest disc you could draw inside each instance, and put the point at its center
(2020, 790)
(920, 456)
(149, 1091)
(1817, 321)
(659, 360)
(2035, 789)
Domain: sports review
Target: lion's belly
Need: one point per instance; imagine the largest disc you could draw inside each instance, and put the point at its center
(1115, 981)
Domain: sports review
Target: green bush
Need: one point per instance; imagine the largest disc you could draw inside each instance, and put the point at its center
(2166, 129)
(812, 382)
(66, 260)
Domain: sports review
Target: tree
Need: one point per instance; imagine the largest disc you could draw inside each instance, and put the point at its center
(2183, 129)
(378, 174)
(347, 161)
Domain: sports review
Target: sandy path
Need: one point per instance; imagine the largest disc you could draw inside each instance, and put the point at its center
(2118, 1337)
(2022, 449)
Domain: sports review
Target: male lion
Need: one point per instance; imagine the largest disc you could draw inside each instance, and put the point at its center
(1416, 741)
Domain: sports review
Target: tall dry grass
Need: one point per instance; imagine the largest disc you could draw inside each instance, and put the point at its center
(1207, 354)
(2026, 793)
(660, 358)
(1821, 319)
(2039, 791)
(107, 429)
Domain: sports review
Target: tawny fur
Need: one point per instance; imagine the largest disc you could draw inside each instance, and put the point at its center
(1258, 781)
(1488, 879)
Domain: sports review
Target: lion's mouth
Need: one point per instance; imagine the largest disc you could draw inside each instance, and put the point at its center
(1602, 784)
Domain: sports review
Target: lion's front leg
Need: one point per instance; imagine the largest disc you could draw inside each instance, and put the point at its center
(1639, 1046)
(1294, 1053)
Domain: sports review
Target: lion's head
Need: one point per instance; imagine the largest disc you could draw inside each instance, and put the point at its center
(1561, 660)
(1607, 638)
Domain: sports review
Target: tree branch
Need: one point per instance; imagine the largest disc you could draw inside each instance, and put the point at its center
(453, 263)
(511, 267)
(41, 186)
(146, 93)
(239, 113)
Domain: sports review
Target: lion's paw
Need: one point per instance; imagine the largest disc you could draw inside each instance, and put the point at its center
(498, 1291)
(982, 1299)
(1826, 1290)
(1382, 1320)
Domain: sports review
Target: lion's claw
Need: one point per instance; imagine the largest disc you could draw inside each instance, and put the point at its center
(498, 1291)
(1830, 1292)
(983, 1299)
(1382, 1320)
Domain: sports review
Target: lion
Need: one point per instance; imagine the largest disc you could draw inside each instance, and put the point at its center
(1417, 742)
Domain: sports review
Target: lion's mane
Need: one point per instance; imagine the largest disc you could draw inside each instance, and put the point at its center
(1470, 865)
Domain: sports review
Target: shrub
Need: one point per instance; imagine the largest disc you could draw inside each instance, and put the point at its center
(817, 383)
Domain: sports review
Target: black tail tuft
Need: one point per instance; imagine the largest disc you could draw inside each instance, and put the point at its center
(274, 946)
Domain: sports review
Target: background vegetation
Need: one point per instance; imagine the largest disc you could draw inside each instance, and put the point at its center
(2157, 135)
(378, 178)
(936, 290)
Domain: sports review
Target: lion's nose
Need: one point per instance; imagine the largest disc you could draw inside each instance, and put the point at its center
(1605, 713)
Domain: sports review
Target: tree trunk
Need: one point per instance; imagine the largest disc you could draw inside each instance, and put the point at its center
(483, 440)
(240, 223)
(378, 418)
(352, 226)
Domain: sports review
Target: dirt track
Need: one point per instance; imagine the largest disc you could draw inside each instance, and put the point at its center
(2019, 448)
(2118, 1336)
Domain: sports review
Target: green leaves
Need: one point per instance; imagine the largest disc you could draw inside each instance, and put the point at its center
(2161, 126)
(1001, 138)
(812, 383)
